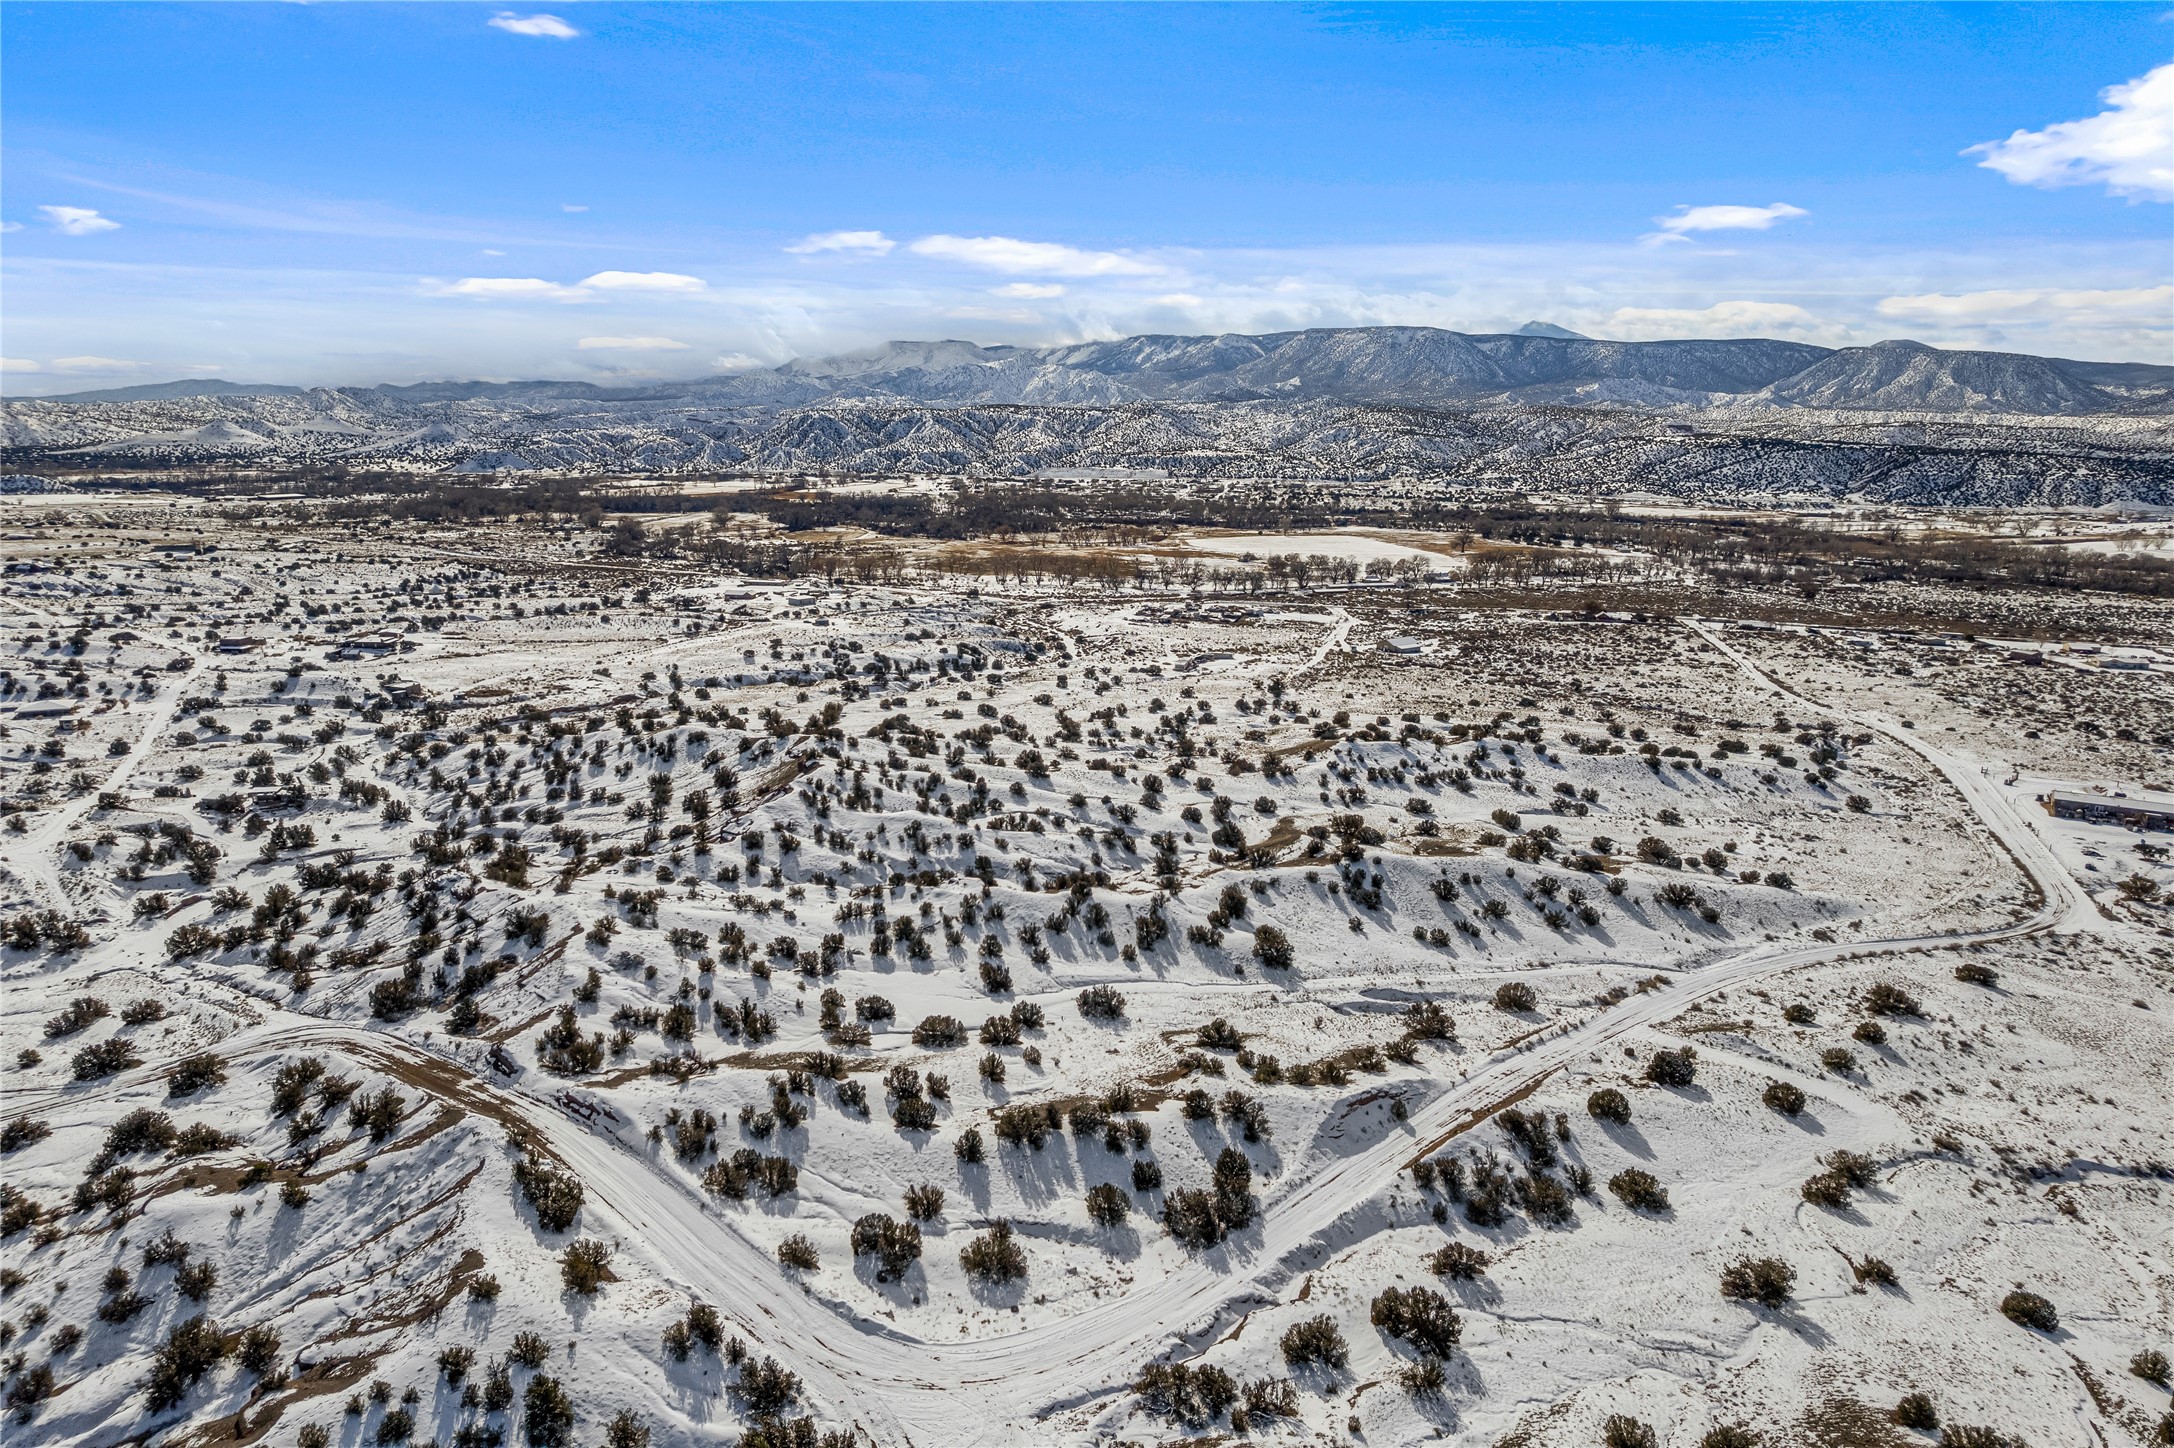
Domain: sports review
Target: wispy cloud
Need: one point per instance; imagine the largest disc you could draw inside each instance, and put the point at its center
(1722, 319)
(2130, 304)
(77, 220)
(543, 27)
(631, 344)
(1044, 258)
(317, 216)
(2128, 147)
(20, 364)
(1689, 219)
(508, 289)
(92, 365)
(1028, 291)
(853, 243)
(623, 281)
(588, 289)
(572, 206)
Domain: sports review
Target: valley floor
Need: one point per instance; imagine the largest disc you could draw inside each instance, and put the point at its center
(495, 994)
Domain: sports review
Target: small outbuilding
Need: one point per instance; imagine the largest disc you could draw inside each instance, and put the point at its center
(2096, 809)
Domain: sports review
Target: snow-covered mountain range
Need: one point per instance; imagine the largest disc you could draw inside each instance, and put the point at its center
(1897, 420)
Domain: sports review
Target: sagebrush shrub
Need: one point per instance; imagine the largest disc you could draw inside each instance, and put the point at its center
(2028, 1309)
(1457, 1260)
(1959, 1435)
(1783, 1097)
(1316, 1340)
(1884, 998)
(1192, 1394)
(995, 1255)
(1106, 1205)
(1768, 1281)
(547, 1413)
(894, 1244)
(1730, 1435)
(1515, 995)
(1421, 1316)
(1827, 1189)
(191, 1350)
(194, 1073)
(1101, 1002)
(554, 1195)
(1424, 1378)
(1639, 1190)
(1672, 1068)
(1272, 948)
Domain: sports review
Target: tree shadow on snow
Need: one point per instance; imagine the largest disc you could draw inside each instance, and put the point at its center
(1041, 1176)
(1807, 1123)
(905, 1289)
(974, 1184)
(1628, 1137)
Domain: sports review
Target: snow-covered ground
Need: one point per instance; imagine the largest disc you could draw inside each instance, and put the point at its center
(1359, 547)
(1184, 871)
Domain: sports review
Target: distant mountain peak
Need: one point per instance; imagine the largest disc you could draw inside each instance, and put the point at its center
(1542, 364)
(168, 391)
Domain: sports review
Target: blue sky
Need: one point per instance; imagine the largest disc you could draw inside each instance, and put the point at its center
(346, 193)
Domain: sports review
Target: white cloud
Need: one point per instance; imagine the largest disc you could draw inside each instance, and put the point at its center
(570, 206)
(511, 289)
(93, 364)
(622, 281)
(77, 220)
(1008, 254)
(631, 344)
(536, 289)
(737, 362)
(544, 27)
(1722, 319)
(492, 251)
(6, 226)
(20, 364)
(2139, 304)
(1028, 291)
(2128, 147)
(858, 243)
(1017, 316)
(1720, 218)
